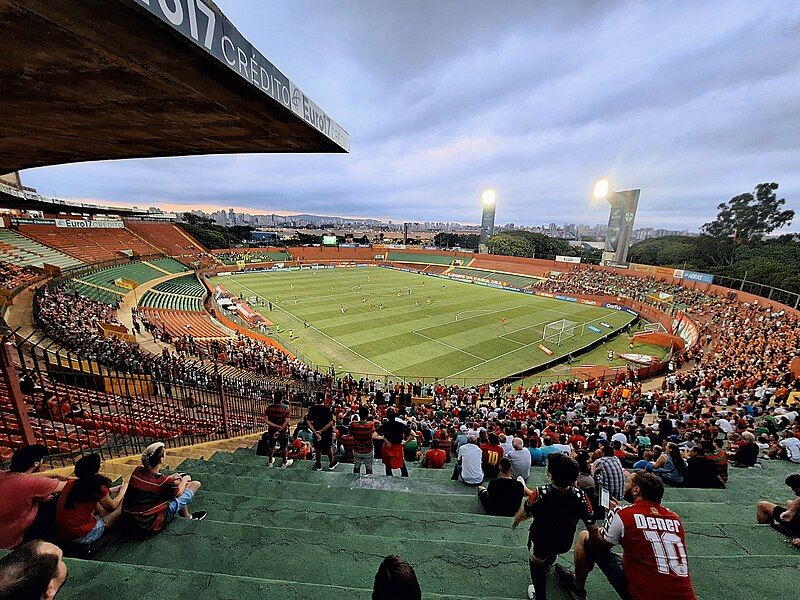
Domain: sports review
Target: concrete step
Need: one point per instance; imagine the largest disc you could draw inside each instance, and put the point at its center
(327, 557)
(359, 520)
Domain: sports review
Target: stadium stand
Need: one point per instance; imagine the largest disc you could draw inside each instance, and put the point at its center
(167, 237)
(153, 299)
(99, 284)
(180, 322)
(188, 285)
(509, 278)
(12, 276)
(427, 259)
(89, 245)
(24, 252)
(254, 256)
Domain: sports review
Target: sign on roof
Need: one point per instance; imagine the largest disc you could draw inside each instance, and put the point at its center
(204, 24)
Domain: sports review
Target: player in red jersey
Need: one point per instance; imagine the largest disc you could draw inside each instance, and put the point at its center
(654, 563)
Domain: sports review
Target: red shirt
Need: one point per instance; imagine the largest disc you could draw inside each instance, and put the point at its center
(435, 458)
(148, 498)
(277, 414)
(654, 551)
(21, 494)
(362, 436)
(491, 459)
(76, 522)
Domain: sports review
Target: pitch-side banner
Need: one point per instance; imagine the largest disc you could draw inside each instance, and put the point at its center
(568, 259)
(81, 224)
(201, 22)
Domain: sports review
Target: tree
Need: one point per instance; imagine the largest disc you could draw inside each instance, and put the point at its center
(212, 235)
(445, 239)
(526, 243)
(748, 217)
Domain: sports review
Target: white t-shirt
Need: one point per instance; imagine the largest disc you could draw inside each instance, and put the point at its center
(565, 449)
(792, 446)
(619, 437)
(725, 425)
(471, 457)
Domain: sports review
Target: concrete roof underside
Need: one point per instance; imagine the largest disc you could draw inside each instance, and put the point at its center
(103, 79)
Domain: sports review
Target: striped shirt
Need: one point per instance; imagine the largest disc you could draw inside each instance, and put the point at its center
(148, 497)
(362, 436)
(277, 414)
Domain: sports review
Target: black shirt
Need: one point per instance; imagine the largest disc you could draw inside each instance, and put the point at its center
(505, 496)
(395, 431)
(555, 516)
(320, 415)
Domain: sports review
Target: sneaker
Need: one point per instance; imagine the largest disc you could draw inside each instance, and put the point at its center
(332, 466)
(531, 592)
(199, 515)
(287, 463)
(566, 580)
(318, 467)
(271, 461)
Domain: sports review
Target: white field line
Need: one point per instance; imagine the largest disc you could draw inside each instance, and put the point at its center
(448, 345)
(387, 371)
(516, 349)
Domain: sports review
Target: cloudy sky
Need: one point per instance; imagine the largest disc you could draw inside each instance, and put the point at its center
(692, 101)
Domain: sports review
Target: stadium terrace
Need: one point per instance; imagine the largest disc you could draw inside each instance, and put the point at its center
(379, 421)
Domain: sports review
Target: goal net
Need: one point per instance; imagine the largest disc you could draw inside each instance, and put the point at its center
(557, 331)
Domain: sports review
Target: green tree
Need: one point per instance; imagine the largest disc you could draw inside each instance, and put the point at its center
(748, 217)
(526, 243)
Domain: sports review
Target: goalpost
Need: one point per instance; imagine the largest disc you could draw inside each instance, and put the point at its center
(557, 331)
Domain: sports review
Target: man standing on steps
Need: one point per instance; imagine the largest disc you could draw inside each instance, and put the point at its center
(278, 429)
(363, 431)
(320, 423)
(394, 432)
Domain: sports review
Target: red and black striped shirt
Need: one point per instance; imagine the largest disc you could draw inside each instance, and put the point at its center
(362, 436)
(277, 414)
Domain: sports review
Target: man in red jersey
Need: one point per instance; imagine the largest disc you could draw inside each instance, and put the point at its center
(363, 431)
(654, 563)
(435, 457)
(277, 417)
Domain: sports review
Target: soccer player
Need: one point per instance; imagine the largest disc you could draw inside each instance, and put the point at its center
(654, 559)
(342, 308)
(503, 320)
(277, 416)
(380, 305)
(399, 293)
(428, 300)
(556, 509)
(305, 323)
(416, 303)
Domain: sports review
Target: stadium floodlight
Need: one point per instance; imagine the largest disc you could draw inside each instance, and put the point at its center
(601, 189)
(488, 197)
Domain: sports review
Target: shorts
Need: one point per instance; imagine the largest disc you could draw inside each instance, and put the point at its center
(95, 534)
(176, 505)
(790, 528)
(367, 459)
(282, 438)
(324, 444)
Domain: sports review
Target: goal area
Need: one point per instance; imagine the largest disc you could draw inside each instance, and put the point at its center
(561, 330)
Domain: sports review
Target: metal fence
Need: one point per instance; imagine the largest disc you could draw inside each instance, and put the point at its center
(759, 289)
(73, 405)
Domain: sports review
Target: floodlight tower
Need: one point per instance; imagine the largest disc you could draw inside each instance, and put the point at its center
(487, 220)
(620, 220)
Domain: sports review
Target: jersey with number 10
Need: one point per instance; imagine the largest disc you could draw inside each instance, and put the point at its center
(654, 551)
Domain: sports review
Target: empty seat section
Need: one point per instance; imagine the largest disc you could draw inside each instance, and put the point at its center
(24, 252)
(89, 245)
(166, 237)
(168, 264)
(428, 259)
(13, 276)
(179, 323)
(154, 299)
(188, 285)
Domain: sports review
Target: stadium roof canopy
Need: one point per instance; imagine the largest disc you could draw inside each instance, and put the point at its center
(110, 79)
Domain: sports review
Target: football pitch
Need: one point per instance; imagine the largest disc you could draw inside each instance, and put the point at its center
(406, 325)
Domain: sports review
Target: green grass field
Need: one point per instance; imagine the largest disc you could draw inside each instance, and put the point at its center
(457, 335)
